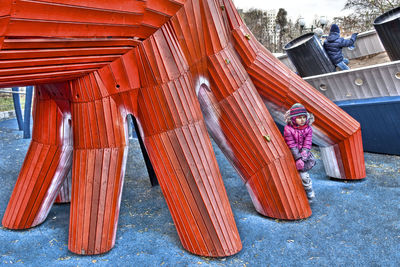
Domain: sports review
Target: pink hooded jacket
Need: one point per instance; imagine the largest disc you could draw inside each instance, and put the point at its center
(298, 138)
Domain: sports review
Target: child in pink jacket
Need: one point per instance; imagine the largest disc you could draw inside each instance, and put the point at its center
(298, 137)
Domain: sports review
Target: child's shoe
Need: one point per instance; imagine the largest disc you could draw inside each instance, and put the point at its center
(310, 195)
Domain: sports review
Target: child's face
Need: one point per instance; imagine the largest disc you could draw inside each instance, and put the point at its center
(301, 120)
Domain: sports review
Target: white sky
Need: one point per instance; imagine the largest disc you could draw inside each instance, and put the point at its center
(296, 8)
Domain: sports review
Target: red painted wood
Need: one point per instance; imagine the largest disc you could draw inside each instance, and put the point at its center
(48, 11)
(36, 43)
(123, 5)
(277, 83)
(44, 53)
(5, 7)
(64, 196)
(47, 162)
(165, 62)
(44, 76)
(47, 69)
(174, 133)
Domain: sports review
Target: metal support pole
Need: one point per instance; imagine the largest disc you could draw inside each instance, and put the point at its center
(17, 108)
(27, 112)
(150, 170)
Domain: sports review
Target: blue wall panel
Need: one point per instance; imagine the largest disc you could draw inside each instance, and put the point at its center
(380, 122)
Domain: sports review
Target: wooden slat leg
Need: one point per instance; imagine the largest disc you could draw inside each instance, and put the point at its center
(181, 153)
(99, 159)
(243, 128)
(46, 164)
(96, 195)
(188, 174)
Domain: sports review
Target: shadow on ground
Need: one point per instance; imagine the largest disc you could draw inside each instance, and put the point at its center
(353, 223)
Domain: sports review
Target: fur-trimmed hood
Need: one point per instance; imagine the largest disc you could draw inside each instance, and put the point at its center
(310, 118)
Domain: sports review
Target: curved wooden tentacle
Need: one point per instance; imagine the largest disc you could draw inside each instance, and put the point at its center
(180, 150)
(255, 145)
(338, 134)
(235, 115)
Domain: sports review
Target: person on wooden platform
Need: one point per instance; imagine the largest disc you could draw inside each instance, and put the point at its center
(333, 46)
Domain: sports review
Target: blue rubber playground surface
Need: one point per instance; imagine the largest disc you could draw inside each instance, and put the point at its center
(353, 223)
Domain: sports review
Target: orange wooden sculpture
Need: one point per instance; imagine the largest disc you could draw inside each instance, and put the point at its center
(165, 62)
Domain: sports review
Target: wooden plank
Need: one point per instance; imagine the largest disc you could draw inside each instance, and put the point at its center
(55, 68)
(37, 81)
(108, 130)
(117, 172)
(88, 176)
(94, 128)
(48, 11)
(46, 28)
(123, 5)
(120, 76)
(28, 190)
(177, 202)
(42, 190)
(101, 219)
(101, 122)
(131, 69)
(167, 7)
(107, 80)
(16, 78)
(43, 43)
(94, 201)
(154, 19)
(37, 62)
(52, 53)
(112, 186)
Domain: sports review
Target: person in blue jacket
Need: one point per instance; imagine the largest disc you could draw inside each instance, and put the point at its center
(333, 46)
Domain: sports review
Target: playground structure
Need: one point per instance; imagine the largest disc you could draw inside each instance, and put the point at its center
(367, 44)
(370, 93)
(387, 26)
(177, 67)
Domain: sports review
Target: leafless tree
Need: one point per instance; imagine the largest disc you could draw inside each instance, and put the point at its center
(257, 21)
(364, 13)
(281, 23)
